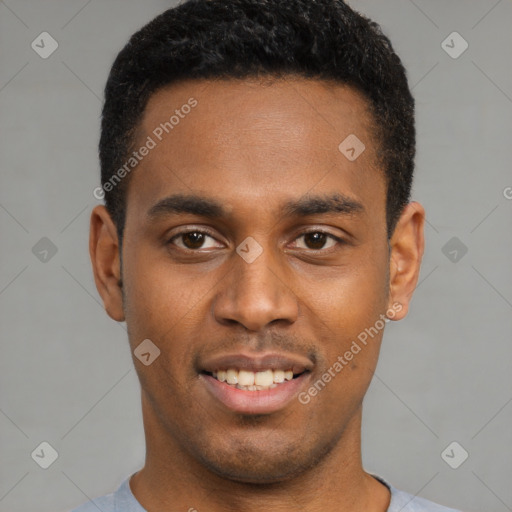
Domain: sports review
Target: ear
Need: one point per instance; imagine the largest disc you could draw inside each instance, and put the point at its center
(106, 265)
(407, 245)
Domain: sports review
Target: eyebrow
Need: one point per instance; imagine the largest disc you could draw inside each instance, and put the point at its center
(213, 209)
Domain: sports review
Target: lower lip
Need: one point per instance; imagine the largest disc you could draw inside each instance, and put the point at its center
(255, 402)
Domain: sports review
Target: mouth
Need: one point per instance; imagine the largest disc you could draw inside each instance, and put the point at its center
(249, 384)
(247, 380)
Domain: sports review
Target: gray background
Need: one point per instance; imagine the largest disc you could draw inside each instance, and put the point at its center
(66, 374)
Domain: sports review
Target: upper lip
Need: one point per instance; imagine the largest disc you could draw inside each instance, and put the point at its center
(257, 362)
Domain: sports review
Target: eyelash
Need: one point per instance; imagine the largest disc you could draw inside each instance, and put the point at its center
(206, 232)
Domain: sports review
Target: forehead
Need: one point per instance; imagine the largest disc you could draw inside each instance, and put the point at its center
(262, 107)
(246, 141)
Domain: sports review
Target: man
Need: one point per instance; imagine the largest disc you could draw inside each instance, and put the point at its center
(257, 160)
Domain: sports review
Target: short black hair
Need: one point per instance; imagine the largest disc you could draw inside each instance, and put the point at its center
(223, 39)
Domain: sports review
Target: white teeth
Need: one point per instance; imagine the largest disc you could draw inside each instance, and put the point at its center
(232, 377)
(253, 381)
(264, 378)
(278, 376)
(246, 378)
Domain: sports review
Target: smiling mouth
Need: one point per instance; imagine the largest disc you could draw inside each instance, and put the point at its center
(254, 381)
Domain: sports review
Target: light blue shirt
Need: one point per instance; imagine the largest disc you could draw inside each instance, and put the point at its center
(123, 500)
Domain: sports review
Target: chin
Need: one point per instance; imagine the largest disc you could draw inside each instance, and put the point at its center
(265, 473)
(258, 466)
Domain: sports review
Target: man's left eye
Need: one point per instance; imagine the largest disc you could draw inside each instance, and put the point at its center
(316, 240)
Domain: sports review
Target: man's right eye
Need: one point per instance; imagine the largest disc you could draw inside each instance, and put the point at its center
(192, 240)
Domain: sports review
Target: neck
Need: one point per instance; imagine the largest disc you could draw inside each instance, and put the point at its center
(172, 479)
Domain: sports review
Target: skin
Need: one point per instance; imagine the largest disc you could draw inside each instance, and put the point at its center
(253, 146)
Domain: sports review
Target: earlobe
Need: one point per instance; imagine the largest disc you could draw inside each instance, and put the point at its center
(407, 246)
(104, 252)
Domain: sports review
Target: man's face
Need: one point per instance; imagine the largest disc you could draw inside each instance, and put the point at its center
(208, 307)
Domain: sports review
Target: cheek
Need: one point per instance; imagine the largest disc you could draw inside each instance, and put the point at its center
(350, 305)
(353, 297)
(159, 296)
(160, 304)
(166, 305)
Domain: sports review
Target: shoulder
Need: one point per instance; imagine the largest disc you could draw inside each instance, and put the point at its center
(404, 502)
(121, 500)
(104, 503)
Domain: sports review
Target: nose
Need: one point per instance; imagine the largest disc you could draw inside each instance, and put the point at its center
(256, 294)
